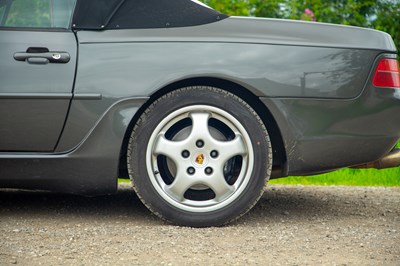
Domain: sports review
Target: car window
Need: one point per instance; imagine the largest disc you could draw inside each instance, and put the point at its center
(62, 11)
(36, 13)
(2, 9)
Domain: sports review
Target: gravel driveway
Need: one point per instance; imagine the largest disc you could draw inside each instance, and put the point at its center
(290, 225)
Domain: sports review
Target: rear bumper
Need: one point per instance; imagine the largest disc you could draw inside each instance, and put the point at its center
(322, 135)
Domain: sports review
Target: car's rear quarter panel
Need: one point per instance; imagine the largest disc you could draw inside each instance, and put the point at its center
(139, 69)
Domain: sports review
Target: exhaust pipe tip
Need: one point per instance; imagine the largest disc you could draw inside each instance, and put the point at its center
(392, 159)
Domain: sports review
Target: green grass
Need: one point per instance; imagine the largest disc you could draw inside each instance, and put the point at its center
(347, 177)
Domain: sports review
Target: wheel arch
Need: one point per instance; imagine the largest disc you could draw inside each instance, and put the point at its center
(278, 147)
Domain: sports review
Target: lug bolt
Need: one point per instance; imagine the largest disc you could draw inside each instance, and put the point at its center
(214, 154)
(185, 154)
(208, 170)
(191, 170)
(200, 143)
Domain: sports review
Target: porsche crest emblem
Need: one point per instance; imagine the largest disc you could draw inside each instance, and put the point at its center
(200, 159)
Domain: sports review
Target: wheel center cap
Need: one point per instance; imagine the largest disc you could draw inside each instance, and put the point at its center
(200, 160)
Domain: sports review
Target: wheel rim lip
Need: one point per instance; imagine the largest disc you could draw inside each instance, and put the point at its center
(192, 205)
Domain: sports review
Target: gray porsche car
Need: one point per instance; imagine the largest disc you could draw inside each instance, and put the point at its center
(197, 108)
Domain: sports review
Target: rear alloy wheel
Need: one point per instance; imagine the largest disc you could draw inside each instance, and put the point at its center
(199, 156)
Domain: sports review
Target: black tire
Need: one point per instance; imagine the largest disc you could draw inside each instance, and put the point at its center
(199, 156)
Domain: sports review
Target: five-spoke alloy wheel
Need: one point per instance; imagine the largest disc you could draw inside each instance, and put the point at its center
(199, 156)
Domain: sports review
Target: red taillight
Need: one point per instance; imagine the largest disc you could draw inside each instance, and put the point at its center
(387, 74)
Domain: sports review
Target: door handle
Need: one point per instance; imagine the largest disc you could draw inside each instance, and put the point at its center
(42, 56)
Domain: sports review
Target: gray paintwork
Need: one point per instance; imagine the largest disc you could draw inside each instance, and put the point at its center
(324, 134)
(315, 80)
(91, 168)
(140, 69)
(34, 98)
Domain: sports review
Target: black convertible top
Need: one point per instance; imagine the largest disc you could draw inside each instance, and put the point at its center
(141, 14)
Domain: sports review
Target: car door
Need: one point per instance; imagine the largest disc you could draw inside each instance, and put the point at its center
(37, 69)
